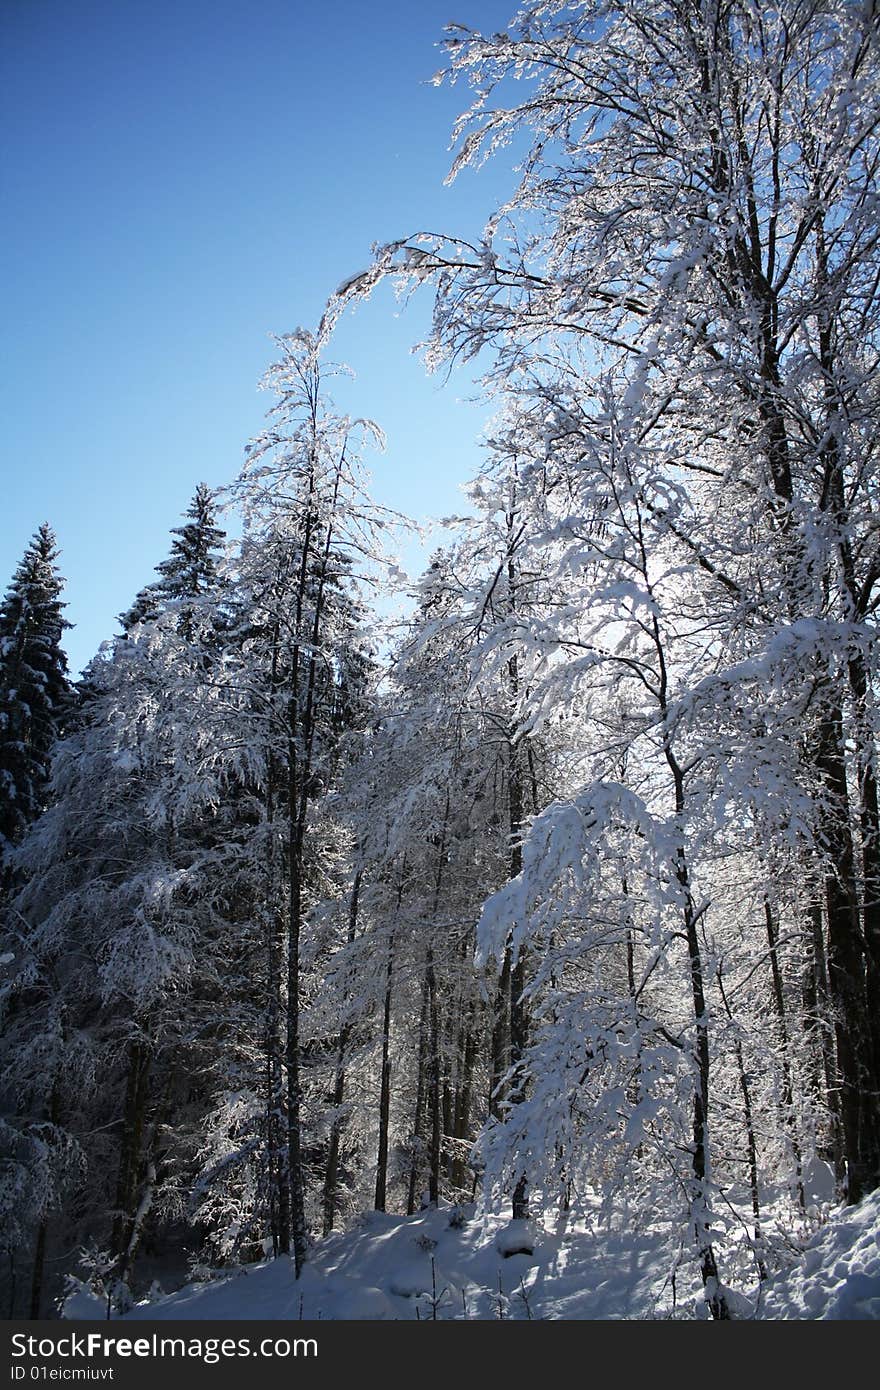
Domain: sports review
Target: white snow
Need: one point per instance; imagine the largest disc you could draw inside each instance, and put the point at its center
(394, 1267)
(452, 1263)
(838, 1276)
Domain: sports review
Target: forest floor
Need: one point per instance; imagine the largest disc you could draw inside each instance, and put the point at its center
(450, 1263)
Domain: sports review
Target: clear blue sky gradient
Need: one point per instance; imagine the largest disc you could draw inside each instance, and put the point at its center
(180, 180)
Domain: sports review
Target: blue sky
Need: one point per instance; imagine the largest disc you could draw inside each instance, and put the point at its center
(182, 179)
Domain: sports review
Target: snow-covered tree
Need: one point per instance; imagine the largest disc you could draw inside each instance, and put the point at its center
(191, 569)
(681, 298)
(296, 683)
(34, 686)
(113, 909)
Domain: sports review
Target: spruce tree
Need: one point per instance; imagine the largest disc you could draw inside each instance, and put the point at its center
(118, 874)
(34, 685)
(190, 570)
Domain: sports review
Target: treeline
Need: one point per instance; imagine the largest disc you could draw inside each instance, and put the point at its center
(573, 889)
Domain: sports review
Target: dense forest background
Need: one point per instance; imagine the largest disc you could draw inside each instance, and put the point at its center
(571, 886)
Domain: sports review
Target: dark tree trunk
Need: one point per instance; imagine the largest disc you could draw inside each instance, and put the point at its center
(635, 1085)
(869, 815)
(853, 945)
(293, 1059)
(500, 1040)
(279, 1176)
(519, 1012)
(331, 1173)
(751, 1143)
(788, 1113)
(700, 1162)
(435, 1072)
(845, 961)
(385, 1083)
(301, 723)
(330, 1195)
(276, 941)
(819, 1030)
(419, 1109)
(131, 1157)
(434, 1082)
(467, 1051)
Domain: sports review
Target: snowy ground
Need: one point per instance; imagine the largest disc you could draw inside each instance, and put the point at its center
(393, 1267)
(838, 1276)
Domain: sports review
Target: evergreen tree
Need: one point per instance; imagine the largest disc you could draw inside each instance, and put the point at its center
(191, 568)
(118, 875)
(34, 688)
(189, 572)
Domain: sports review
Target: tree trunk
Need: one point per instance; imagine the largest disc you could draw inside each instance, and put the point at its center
(137, 1090)
(418, 1116)
(845, 959)
(500, 1040)
(467, 1051)
(701, 1158)
(293, 1060)
(385, 1083)
(434, 1081)
(788, 1114)
(819, 1031)
(300, 751)
(519, 1013)
(863, 1046)
(279, 1177)
(331, 1172)
(751, 1144)
(435, 1074)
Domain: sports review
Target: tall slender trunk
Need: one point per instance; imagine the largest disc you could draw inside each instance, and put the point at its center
(467, 1056)
(276, 941)
(434, 1080)
(298, 771)
(519, 1012)
(435, 1074)
(137, 1090)
(384, 1089)
(701, 1156)
(748, 1117)
(869, 826)
(419, 1108)
(635, 1084)
(500, 1060)
(819, 1030)
(331, 1172)
(385, 1075)
(788, 1115)
(293, 1059)
(276, 1128)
